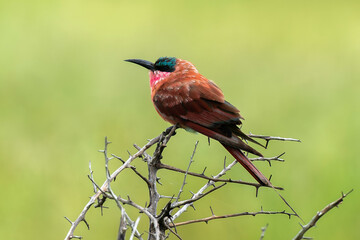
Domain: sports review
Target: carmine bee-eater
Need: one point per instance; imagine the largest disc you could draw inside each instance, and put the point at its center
(182, 96)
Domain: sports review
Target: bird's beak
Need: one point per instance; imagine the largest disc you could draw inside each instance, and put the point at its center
(143, 63)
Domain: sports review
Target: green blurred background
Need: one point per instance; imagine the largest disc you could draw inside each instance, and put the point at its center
(291, 67)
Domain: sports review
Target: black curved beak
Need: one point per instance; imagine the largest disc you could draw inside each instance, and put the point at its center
(143, 63)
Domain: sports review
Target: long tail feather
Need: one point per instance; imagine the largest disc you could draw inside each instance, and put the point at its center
(233, 145)
(247, 164)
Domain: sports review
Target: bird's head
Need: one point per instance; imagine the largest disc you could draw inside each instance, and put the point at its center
(163, 67)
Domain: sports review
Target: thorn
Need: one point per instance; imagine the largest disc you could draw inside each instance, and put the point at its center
(158, 180)
(269, 162)
(212, 212)
(257, 191)
(209, 141)
(86, 223)
(270, 177)
(68, 220)
(301, 226)
(267, 143)
(203, 172)
(119, 158)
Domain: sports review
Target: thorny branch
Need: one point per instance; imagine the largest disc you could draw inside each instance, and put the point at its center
(159, 224)
(276, 158)
(186, 173)
(318, 215)
(214, 217)
(214, 179)
(269, 138)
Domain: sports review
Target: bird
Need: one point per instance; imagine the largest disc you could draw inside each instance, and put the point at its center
(183, 96)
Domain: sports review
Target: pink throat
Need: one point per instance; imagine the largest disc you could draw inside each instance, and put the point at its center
(157, 76)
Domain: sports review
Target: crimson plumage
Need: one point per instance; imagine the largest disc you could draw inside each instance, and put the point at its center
(181, 95)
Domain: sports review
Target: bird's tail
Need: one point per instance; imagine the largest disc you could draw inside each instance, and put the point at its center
(234, 146)
(247, 164)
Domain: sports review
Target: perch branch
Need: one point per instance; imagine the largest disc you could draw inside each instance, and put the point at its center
(154, 196)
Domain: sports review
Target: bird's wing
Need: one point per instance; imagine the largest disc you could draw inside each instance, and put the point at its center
(200, 105)
(198, 101)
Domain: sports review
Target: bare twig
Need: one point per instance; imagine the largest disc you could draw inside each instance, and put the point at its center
(122, 227)
(269, 138)
(112, 194)
(214, 217)
(134, 229)
(142, 210)
(186, 173)
(172, 231)
(263, 230)
(201, 190)
(318, 215)
(265, 159)
(199, 196)
(91, 175)
(133, 167)
(214, 179)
